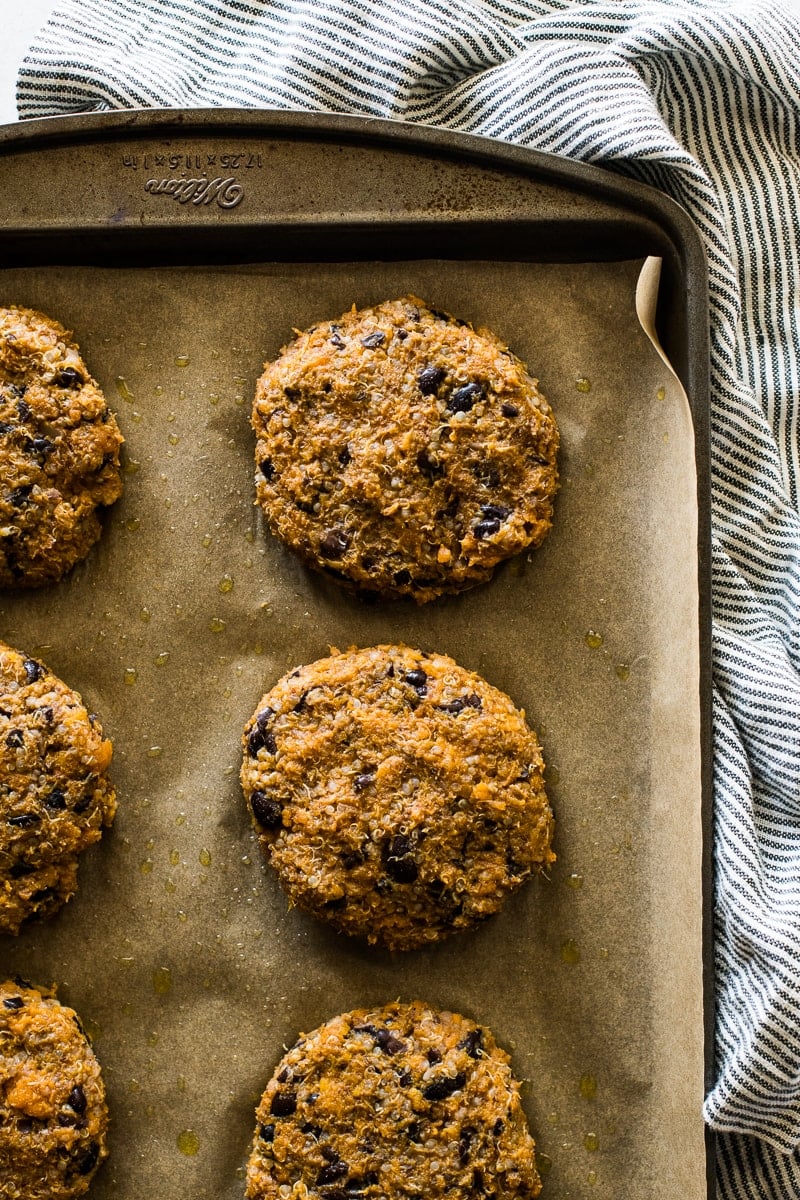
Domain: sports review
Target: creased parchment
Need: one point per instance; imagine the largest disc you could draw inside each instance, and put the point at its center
(179, 950)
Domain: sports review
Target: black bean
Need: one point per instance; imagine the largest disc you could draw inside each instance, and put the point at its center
(486, 474)
(429, 465)
(266, 1132)
(332, 1172)
(6, 428)
(464, 398)
(344, 456)
(433, 1056)
(405, 1079)
(429, 379)
(285, 1075)
(86, 1160)
(20, 496)
(77, 1099)
(486, 528)
(359, 1184)
(399, 860)
(500, 511)
(24, 410)
(477, 1180)
(56, 801)
(266, 809)
(453, 706)
(329, 1154)
(418, 680)
(413, 1131)
(449, 511)
(401, 335)
(474, 701)
(68, 377)
(465, 1143)
(373, 340)
(33, 670)
(20, 870)
(15, 738)
(364, 780)
(472, 1043)
(337, 342)
(12, 1003)
(41, 445)
(284, 1103)
(389, 1042)
(82, 804)
(441, 1088)
(334, 543)
(306, 506)
(267, 469)
(261, 739)
(509, 410)
(23, 820)
(351, 859)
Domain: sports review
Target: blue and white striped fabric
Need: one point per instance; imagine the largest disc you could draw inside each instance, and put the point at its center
(702, 99)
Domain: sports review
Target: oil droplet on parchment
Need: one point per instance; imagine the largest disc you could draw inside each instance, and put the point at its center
(123, 389)
(188, 1142)
(162, 981)
(570, 951)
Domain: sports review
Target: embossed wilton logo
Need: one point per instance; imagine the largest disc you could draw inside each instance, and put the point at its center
(226, 192)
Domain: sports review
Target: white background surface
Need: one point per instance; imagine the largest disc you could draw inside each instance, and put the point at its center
(18, 27)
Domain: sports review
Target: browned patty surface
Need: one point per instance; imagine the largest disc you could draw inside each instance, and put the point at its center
(404, 452)
(59, 451)
(55, 795)
(397, 795)
(53, 1114)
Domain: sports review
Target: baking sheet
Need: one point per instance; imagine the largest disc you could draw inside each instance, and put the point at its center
(179, 951)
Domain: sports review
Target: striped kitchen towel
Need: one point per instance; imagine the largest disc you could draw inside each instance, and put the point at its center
(700, 98)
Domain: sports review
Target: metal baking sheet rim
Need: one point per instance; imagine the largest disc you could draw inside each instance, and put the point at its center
(616, 213)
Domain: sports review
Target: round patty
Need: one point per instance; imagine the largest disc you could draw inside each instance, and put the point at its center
(402, 1101)
(53, 1113)
(55, 796)
(403, 452)
(59, 451)
(397, 795)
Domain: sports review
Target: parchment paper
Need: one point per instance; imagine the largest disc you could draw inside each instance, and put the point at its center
(179, 951)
